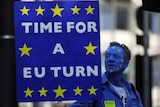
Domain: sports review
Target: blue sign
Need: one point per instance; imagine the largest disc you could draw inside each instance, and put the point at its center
(57, 50)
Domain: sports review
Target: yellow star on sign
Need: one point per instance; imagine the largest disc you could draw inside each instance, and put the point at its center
(24, 11)
(59, 92)
(75, 10)
(90, 49)
(78, 91)
(43, 92)
(89, 9)
(57, 10)
(92, 90)
(25, 50)
(40, 10)
(28, 92)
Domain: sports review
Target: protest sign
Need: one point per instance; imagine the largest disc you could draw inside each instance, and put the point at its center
(57, 50)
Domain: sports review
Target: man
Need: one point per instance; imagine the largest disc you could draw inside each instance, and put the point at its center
(117, 92)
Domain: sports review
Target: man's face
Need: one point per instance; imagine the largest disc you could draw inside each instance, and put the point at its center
(114, 59)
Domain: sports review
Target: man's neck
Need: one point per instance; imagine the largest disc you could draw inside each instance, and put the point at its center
(115, 78)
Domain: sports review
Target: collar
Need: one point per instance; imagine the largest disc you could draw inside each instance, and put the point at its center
(105, 80)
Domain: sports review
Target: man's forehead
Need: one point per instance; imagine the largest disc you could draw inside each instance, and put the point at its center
(117, 49)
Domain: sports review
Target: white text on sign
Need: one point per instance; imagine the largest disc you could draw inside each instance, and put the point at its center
(78, 71)
(57, 27)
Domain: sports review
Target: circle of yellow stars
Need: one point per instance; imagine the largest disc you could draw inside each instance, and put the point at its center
(57, 10)
(59, 91)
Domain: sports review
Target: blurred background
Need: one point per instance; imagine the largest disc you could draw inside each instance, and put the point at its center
(120, 20)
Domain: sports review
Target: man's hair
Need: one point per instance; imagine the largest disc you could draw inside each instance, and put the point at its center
(125, 48)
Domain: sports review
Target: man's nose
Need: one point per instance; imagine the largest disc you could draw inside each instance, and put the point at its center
(111, 58)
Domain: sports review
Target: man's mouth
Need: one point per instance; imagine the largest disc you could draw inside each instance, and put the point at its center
(111, 65)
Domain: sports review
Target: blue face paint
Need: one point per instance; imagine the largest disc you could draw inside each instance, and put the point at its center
(114, 59)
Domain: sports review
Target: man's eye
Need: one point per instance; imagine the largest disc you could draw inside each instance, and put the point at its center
(107, 56)
(117, 56)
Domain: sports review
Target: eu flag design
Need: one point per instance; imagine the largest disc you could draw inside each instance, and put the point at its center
(57, 50)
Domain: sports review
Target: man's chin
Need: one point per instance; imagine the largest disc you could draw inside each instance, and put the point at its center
(111, 71)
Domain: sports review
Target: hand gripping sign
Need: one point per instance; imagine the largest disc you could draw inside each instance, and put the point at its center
(57, 50)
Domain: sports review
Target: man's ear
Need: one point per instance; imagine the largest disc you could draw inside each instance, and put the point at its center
(125, 65)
